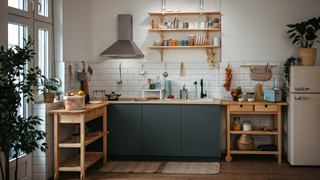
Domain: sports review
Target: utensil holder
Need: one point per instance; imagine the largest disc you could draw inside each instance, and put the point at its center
(81, 76)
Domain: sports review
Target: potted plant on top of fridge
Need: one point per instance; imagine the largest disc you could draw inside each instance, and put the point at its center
(48, 86)
(304, 34)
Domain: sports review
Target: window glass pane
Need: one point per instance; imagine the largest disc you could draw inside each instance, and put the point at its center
(43, 50)
(16, 34)
(18, 4)
(43, 10)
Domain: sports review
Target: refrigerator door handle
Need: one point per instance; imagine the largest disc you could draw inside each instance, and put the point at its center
(301, 98)
(301, 88)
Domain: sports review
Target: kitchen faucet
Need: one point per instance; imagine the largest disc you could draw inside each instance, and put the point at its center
(202, 95)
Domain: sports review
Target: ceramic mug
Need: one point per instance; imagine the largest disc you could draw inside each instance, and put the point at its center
(157, 43)
(180, 42)
(210, 24)
(196, 25)
(185, 25)
(185, 42)
(152, 86)
(174, 42)
(203, 25)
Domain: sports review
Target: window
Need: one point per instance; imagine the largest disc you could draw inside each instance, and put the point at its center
(18, 4)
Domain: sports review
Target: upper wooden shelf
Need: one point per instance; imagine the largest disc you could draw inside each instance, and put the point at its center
(206, 29)
(68, 143)
(182, 47)
(184, 13)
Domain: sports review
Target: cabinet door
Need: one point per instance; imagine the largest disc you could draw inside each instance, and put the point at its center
(201, 130)
(161, 130)
(124, 126)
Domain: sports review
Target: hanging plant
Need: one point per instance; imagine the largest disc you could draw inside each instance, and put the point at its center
(286, 70)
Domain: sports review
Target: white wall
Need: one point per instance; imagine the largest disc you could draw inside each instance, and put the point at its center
(77, 30)
(4, 23)
(255, 30)
(105, 28)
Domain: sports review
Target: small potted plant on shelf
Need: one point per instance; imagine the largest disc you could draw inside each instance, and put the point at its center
(58, 94)
(304, 34)
(48, 86)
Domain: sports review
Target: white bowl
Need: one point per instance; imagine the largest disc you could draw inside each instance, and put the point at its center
(241, 99)
(251, 99)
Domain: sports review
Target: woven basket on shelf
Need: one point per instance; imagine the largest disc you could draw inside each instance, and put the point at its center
(308, 56)
(245, 142)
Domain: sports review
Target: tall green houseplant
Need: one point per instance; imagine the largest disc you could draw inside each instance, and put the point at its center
(17, 83)
(304, 35)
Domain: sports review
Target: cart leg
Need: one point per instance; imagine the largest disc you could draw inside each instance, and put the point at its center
(83, 148)
(56, 146)
(279, 135)
(105, 135)
(228, 157)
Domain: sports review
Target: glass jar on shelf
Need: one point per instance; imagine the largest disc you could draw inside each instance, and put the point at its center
(236, 124)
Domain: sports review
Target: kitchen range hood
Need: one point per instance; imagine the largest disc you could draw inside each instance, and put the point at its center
(124, 47)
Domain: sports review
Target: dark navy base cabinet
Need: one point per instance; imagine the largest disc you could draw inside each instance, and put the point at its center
(163, 132)
(200, 130)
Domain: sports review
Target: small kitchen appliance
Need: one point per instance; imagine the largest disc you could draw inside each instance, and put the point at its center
(274, 95)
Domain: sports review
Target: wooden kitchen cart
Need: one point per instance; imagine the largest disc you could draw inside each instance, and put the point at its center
(84, 160)
(207, 30)
(254, 108)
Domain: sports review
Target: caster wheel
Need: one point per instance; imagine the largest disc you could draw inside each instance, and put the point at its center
(228, 158)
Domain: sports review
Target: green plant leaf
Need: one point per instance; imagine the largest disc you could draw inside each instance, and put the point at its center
(291, 30)
(291, 25)
(311, 36)
(301, 28)
(292, 35)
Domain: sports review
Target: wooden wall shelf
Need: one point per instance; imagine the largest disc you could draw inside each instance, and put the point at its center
(182, 47)
(206, 29)
(162, 14)
(184, 13)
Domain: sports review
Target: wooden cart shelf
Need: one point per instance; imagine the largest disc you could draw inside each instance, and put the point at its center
(206, 29)
(184, 13)
(68, 143)
(253, 132)
(73, 164)
(254, 108)
(255, 151)
(182, 47)
(85, 159)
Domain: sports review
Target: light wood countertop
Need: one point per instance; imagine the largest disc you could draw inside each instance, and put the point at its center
(253, 103)
(162, 101)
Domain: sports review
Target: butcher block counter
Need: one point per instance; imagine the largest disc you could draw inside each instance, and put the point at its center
(164, 101)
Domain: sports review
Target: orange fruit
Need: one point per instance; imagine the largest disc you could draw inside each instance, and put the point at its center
(81, 93)
(72, 94)
(74, 105)
(68, 107)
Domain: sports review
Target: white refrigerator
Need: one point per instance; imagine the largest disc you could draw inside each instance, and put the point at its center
(302, 125)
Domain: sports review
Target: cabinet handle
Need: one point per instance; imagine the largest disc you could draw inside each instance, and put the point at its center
(301, 88)
(241, 105)
(266, 106)
(301, 98)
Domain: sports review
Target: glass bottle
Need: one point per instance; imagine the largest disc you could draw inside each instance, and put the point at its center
(158, 83)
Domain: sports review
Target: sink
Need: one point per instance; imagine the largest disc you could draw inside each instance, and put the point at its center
(200, 99)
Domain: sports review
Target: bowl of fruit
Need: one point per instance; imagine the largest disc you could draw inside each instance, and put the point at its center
(236, 93)
(74, 101)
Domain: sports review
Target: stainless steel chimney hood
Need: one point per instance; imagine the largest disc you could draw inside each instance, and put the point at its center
(124, 47)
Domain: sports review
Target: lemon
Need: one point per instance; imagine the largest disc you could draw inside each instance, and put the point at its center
(81, 93)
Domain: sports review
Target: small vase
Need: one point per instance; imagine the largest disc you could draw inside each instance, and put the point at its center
(48, 97)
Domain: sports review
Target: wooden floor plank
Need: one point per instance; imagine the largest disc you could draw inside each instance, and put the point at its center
(243, 167)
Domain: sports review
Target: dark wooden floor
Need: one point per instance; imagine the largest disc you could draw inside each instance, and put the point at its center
(243, 167)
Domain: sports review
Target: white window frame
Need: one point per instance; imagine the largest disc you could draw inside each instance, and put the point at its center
(26, 158)
(38, 17)
(23, 13)
(37, 25)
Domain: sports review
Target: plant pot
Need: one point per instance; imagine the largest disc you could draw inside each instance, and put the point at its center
(48, 97)
(308, 56)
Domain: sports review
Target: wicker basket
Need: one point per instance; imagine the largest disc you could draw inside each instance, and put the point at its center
(308, 56)
(245, 142)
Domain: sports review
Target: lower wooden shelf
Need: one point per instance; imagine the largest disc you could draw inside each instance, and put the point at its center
(255, 151)
(73, 164)
(182, 47)
(253, 132)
